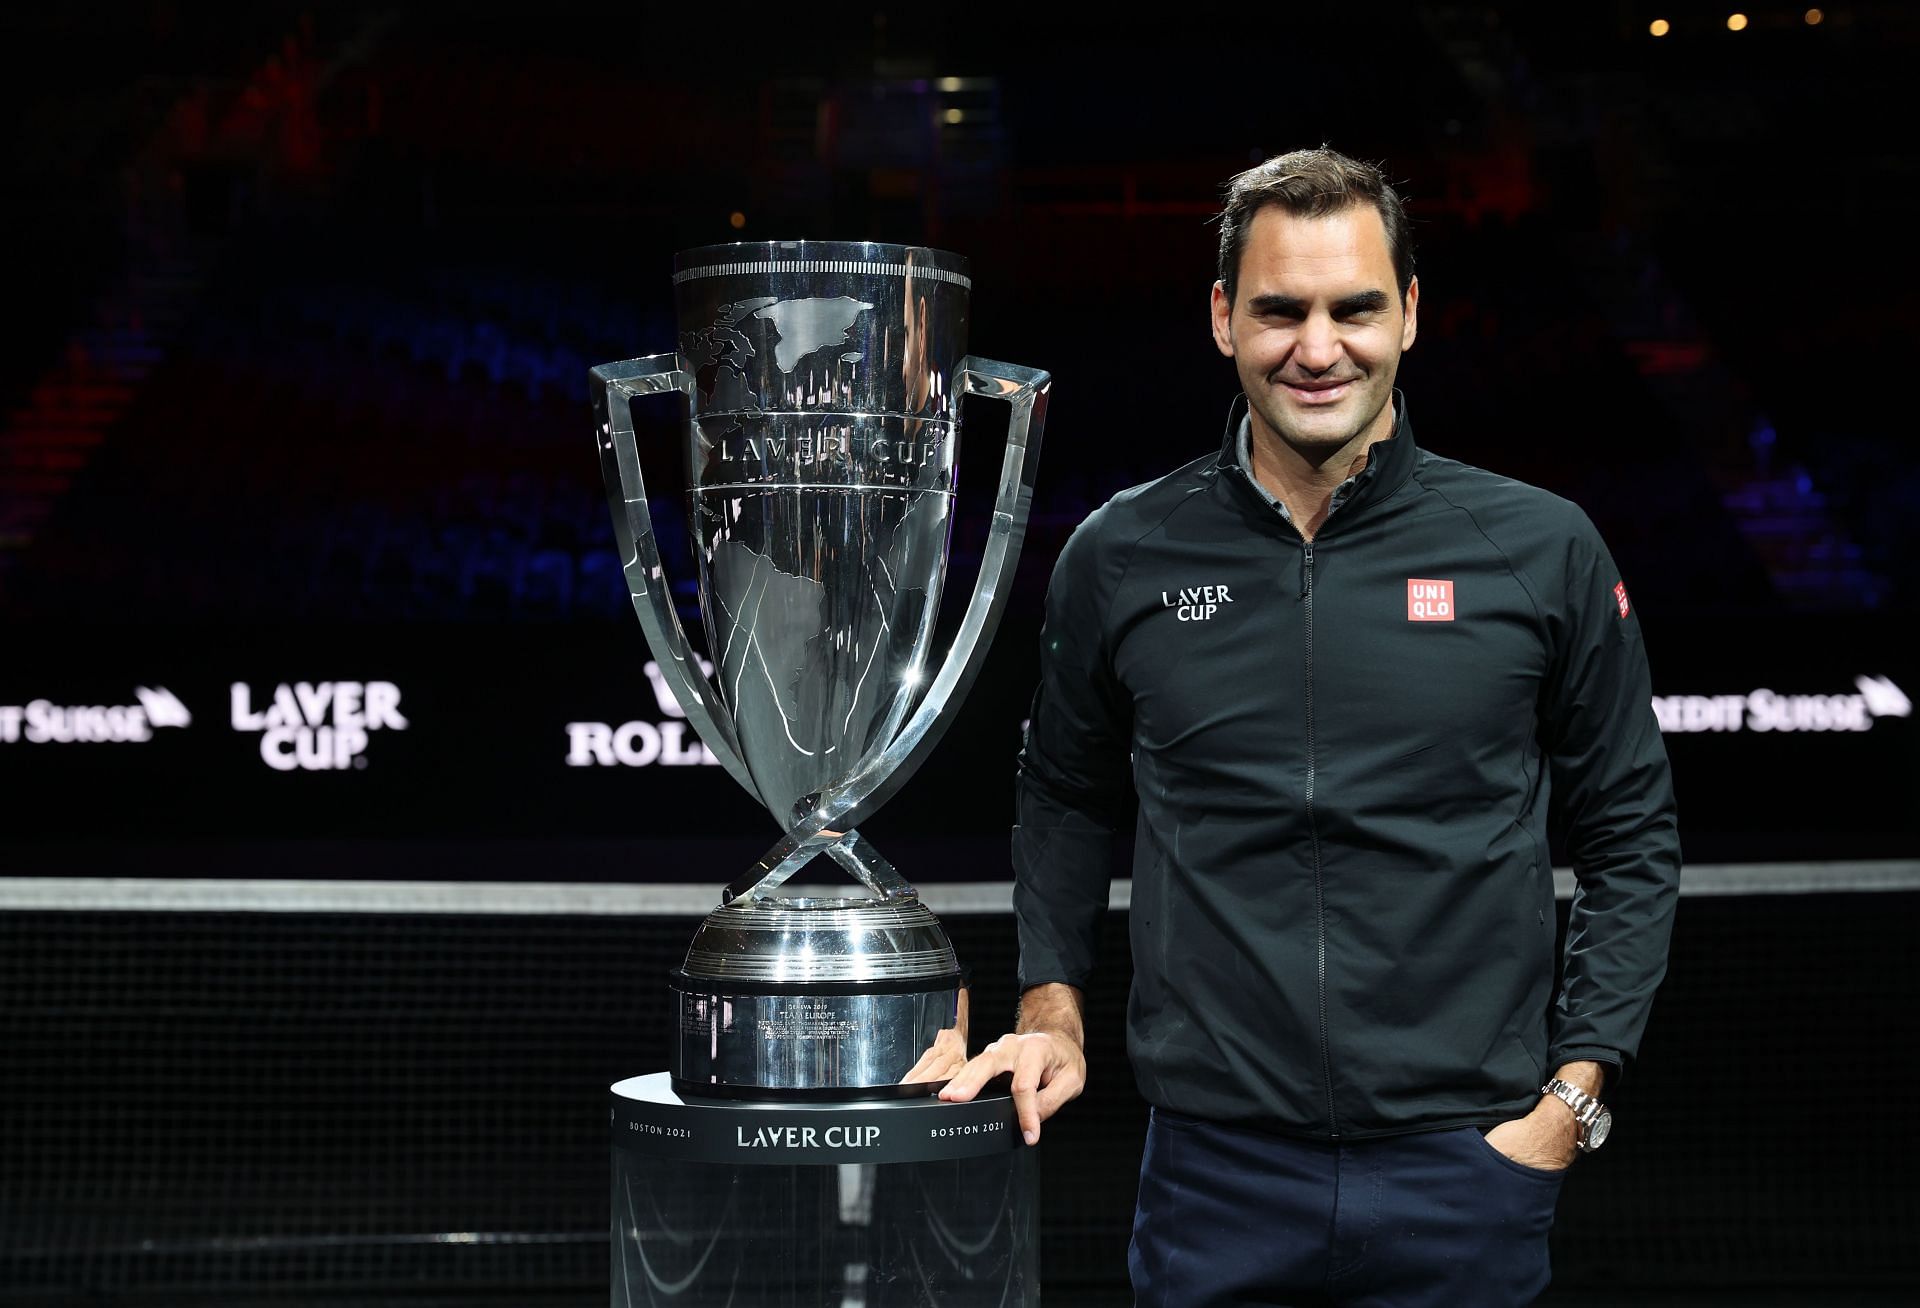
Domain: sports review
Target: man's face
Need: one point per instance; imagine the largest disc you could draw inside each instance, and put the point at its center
(1316, 329)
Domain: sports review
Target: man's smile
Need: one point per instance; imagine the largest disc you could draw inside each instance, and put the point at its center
(1320, 392)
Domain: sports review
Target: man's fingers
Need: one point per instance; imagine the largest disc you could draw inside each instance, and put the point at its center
(925, 1068)
(989, 1063)
(946, 1056)
(1060, 1081)
(1026, 1109)
(964, 1085)
(1036, 1066)
(1045, 1076)
(1066, 1084)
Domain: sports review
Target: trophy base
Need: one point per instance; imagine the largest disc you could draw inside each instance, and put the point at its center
(920, 1203)
(807, 999)
(807, 1041)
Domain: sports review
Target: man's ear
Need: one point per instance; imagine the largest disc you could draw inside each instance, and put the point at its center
(1410, 328)
(1222, 320)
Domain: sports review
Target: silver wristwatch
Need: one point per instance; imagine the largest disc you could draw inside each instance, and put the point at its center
(1592, 1115)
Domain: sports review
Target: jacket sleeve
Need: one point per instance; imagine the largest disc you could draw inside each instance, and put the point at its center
(1075, 770)
(1612, 799)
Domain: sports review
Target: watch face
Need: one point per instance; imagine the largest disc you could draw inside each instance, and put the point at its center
(1597, 1130)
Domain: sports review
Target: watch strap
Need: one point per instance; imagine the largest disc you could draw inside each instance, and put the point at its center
(1586, 1107)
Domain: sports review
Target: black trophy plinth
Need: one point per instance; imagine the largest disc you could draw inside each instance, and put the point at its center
(851, 1204)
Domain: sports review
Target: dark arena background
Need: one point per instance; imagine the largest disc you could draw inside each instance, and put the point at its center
(300, 303)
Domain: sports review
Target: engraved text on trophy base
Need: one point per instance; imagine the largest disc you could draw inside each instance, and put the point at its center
(815, 1022)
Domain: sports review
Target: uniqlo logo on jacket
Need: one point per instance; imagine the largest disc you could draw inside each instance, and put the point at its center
(1620, 597)
(1429, 601)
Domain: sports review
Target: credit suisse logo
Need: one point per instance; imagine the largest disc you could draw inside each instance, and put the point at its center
(1873, 698)
(43, 722)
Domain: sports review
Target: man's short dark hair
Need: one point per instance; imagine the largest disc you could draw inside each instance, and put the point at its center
(1311, 184)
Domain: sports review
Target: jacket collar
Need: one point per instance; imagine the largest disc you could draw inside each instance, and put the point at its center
(1389, 462)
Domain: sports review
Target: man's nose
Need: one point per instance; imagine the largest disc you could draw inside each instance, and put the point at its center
(1317, 348)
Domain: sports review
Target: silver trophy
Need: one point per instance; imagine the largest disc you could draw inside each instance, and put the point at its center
(824, 381)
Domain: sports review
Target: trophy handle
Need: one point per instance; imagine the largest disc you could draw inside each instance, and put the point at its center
(614, 387)
(856, 796)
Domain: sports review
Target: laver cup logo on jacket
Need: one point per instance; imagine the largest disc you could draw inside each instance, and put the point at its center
(1429, 601)
(1197, 603)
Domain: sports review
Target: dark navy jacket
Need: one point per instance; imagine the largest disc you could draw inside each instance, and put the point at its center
(1346, 754)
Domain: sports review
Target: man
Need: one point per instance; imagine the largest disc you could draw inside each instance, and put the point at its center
(1345, 678)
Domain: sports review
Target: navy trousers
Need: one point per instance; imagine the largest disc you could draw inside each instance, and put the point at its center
(1229, 1216)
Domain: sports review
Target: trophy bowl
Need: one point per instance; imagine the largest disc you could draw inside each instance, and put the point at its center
(824, 383)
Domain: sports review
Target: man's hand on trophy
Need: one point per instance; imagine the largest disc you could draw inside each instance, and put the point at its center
(942, 1061)
(1048, 1069)
(948, 1053)
(1045, 1058)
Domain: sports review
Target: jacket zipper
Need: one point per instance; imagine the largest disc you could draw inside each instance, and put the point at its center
(1313, 827)
(1313, 832)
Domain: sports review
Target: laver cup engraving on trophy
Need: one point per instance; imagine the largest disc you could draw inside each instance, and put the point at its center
(824, 383)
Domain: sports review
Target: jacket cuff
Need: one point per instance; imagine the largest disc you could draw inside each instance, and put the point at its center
(1047, 972)
(1611, 1059)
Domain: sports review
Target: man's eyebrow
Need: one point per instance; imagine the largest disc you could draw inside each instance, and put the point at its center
(1373, 301)
(1287, 304)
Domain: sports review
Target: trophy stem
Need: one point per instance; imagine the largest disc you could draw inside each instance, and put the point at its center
(865, 864)
(858, 858)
